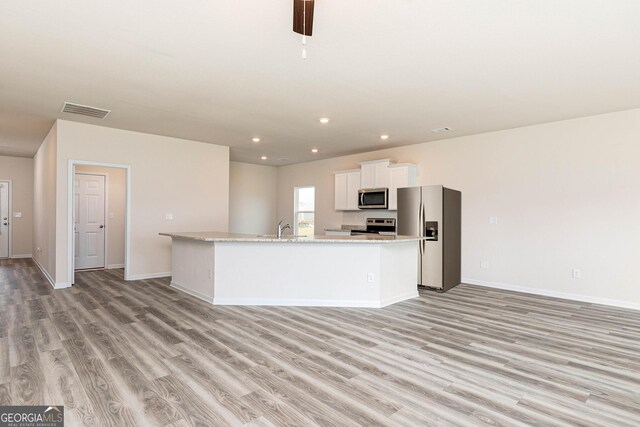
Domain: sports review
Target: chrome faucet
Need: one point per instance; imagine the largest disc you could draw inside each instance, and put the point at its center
(281, 228)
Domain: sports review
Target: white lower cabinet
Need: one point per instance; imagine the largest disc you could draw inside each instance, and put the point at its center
(347, 184)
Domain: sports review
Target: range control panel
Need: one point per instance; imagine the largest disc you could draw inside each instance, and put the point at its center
(381, 224)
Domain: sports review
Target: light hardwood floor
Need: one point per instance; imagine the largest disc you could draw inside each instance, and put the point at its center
(121, 353)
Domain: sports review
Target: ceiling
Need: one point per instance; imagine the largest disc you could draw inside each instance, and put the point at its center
(225, 71)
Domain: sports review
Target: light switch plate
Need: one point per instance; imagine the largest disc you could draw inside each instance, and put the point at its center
(493, 220)
(484, 264)
(168, 216)
(17, 214)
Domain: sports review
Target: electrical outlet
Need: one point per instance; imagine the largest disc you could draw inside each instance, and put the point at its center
(493, 220)
(484, 263)
(370, 277)
(168, 216)
(576, 274)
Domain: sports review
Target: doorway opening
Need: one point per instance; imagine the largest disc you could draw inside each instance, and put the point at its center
(5, 219)
(98, 217)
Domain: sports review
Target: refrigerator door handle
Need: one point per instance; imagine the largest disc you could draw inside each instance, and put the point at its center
(423, 231)
(421, 227)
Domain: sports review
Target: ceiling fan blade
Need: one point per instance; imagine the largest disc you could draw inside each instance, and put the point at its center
(303, 19)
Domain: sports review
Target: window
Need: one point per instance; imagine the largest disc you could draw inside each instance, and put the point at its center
(304, 200)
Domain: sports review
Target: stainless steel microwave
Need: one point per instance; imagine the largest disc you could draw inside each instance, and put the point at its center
(373, 198)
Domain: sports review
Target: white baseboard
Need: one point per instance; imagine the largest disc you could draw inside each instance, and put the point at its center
(198, 295)
(114, 266)
(59, 285)
(555, 294)
(399, 298)
(21, 256)
(62, 285)
(148, 276)
(45, 273)
(284, 302)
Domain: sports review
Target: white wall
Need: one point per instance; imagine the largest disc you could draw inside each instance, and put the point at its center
(168, 175)
(252, 198)
(566, 195)
(116, 201)
(44, 204)
(20, 171)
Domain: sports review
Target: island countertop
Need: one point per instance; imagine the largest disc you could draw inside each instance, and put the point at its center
(333, 271)
(216, 236)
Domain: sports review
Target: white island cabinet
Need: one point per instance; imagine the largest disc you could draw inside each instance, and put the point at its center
(333, 271)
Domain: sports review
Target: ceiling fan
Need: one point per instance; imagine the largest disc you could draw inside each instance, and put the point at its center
(303, 21)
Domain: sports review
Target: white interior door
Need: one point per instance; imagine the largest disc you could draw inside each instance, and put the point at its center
(4, 219)
(88, 218)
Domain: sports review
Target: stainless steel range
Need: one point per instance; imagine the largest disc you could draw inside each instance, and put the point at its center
(378, 226)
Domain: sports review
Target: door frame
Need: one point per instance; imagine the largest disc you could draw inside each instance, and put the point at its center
(10, 215)
(105, 213)
(127, 222)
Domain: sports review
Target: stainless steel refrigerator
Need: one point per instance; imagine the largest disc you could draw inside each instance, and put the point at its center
(434, 212)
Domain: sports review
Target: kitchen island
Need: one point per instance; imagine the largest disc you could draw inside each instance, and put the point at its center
(331, 271)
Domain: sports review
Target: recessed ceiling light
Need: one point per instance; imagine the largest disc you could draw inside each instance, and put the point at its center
(255, 139)
(438, 130)
(324, 120)
(384, 137)
(263, 158)
(314, 150)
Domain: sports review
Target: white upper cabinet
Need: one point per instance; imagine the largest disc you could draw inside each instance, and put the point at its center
(400, 175)
(375, 174)
(347, 184)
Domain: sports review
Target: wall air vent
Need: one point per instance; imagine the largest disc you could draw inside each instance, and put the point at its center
(85, 110)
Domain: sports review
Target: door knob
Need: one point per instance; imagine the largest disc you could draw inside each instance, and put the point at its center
(102, 226)
(5, 223)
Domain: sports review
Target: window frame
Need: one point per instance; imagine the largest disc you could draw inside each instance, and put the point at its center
(296, 205)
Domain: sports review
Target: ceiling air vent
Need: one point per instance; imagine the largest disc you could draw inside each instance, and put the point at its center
(85, 110)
